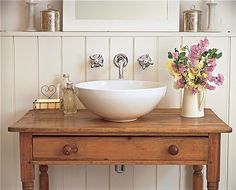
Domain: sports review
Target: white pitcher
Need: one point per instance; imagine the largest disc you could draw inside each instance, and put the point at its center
(193, 104)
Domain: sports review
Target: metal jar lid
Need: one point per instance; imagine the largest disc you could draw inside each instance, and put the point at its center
(193, 11)
(50, 9)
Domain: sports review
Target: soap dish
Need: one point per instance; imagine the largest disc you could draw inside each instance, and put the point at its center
(48, 104)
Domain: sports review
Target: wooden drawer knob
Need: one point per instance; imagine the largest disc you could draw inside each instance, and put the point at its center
(173, 150)
(68, 150)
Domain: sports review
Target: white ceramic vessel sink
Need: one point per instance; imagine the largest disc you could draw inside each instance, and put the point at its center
(120, 100)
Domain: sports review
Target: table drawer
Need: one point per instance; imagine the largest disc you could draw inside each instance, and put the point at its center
(120, 148)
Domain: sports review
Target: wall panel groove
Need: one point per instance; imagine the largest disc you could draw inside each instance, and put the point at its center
(16, 142)
(49, 73)
(232, 119)
(9, 168)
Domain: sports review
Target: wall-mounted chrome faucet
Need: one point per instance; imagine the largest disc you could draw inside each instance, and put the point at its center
(96, 60)
(120, 168)
(120, 61)
(145, 61)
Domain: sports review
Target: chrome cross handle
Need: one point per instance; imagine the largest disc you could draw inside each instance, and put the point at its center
(96, 60)
(145, 61)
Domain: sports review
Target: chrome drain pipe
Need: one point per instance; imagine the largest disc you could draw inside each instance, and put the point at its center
(120, 168)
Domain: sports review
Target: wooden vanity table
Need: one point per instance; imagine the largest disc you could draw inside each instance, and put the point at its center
(48, 137)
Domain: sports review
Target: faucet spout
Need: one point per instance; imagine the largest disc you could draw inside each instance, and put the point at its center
(120, 61)
(121, 71)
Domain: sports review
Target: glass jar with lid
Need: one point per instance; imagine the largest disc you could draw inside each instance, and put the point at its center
(192, 20)
(69, 99)
(50, 19)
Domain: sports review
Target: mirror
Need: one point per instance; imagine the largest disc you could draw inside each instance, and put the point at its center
(120, 15)
(124, 10)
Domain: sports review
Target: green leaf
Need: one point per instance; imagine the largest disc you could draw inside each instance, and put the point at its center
(204, 54)
(170, 55)
(214, 50)
(212, 53)
(182, 54)
(219, 55)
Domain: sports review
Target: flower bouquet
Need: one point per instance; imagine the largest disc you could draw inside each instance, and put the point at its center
(192, 69)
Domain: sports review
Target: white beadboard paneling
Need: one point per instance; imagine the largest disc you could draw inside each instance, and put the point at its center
(0, 109)
(171, 99)
(26, 91)
(220, 95)
(73, 54)
(186, 180)
(9, 160)
(98, 177)
(27, 57)
(165, 174)
(74, 178)
(73, 62)
(97, 45)
(165, 45)
(121, 45)
(49, 72)
(186, 169)
(50, 67)
(122, 181)
(142, 46)
(145, 177)
(232, 120)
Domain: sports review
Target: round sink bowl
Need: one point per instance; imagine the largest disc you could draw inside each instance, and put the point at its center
(120, 100)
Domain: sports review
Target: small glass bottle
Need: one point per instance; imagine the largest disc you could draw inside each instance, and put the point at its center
(69, 100)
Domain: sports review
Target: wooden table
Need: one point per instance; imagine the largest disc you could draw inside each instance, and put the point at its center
(47, 137)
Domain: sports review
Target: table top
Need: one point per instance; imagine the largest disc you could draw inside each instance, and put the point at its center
(157, 122)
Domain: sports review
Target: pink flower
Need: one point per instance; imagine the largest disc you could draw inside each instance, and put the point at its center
(219, 80)
(194, 68)
(174, 67)
(180, 83)
(193, 58)
(212, 62)
(209, 69)
(175, 55)
(211, 78)
(195, 90)
(204, 43)
(194, 49)
(195, 54)
(182, 69)
(210, 87)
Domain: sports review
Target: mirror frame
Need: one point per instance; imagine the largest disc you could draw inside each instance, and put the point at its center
(70, 23)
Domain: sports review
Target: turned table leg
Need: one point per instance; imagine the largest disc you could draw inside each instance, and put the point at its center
(27, 167)
(43, 177)
(213, 167)
(197, 177)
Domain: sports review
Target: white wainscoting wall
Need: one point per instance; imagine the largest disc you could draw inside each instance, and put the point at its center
(30, 60)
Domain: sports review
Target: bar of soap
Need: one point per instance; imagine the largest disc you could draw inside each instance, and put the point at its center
(48, 104)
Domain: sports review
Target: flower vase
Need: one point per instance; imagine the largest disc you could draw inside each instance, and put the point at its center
(193, 104)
